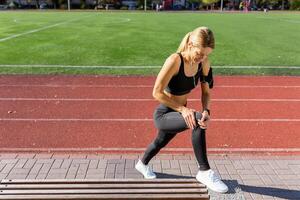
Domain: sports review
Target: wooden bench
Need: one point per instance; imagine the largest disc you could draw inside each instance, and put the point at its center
(140, 189)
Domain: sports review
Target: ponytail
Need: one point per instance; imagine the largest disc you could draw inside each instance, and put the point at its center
(184, 43)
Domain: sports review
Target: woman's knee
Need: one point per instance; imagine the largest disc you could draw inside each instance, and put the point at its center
(198, 116)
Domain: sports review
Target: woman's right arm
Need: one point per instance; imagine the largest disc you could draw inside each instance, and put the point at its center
(169, 69)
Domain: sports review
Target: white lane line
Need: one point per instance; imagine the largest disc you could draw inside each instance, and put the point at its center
(89, 86)
(40, 29)
(165, 149)
(76, 120)
(146, 86)
(139, 120)
(257, 67)
(255, 100)
(143, 100)
(141, 66)
(258, 86)
(81, 66)
(256, 120)
(284, 20)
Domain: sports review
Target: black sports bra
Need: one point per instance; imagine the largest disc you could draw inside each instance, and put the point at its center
(181, 84)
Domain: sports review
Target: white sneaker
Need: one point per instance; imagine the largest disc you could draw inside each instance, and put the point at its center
(212, 181)
(145, 170)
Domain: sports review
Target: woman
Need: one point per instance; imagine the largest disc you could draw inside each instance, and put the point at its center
(180, 74)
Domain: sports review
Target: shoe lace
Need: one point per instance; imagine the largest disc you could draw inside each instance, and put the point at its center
(213, 176)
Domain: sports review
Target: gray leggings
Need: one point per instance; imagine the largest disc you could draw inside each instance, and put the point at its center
(169, 123)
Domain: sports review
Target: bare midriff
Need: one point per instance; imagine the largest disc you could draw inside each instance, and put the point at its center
(182, 99)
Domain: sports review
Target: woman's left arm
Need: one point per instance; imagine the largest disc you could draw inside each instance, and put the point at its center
(205, 98)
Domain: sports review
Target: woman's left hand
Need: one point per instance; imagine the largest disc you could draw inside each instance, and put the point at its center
(203, 122)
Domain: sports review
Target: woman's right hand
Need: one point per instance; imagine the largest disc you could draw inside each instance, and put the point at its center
(189, 117)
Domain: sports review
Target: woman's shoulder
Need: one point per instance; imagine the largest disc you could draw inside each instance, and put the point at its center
(172, 63)
(174, 57)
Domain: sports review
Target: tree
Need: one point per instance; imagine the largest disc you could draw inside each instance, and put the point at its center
(294, 4)
(55, 3)
(192, 3)
(274, 4)
(210, 2)
(115, 3)
(140, 3)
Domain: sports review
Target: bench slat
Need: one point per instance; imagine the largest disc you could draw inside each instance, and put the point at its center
(83, 181)
(99, 186)
(100, 189)
(106, 191)
(111, 196)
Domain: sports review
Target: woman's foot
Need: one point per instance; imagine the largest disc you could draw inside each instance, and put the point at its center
(145, 170)
(212, 181)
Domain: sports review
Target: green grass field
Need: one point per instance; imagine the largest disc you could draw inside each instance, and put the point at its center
(144, 39)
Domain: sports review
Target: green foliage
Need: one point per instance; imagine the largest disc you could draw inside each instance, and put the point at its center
(294, 4)
(193, 1)
(12, 5)
(62, 4)
(208, 2)
(140, 3)
(268, 1)
(124, 8)
(273, 3)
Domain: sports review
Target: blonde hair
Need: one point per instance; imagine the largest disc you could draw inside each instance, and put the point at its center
(202, 36)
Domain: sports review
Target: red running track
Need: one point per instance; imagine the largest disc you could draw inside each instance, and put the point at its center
(113, 114)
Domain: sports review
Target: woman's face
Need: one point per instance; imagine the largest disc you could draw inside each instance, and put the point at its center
(198, 53)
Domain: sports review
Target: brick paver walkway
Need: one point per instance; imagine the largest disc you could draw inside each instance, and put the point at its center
(249, 177)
